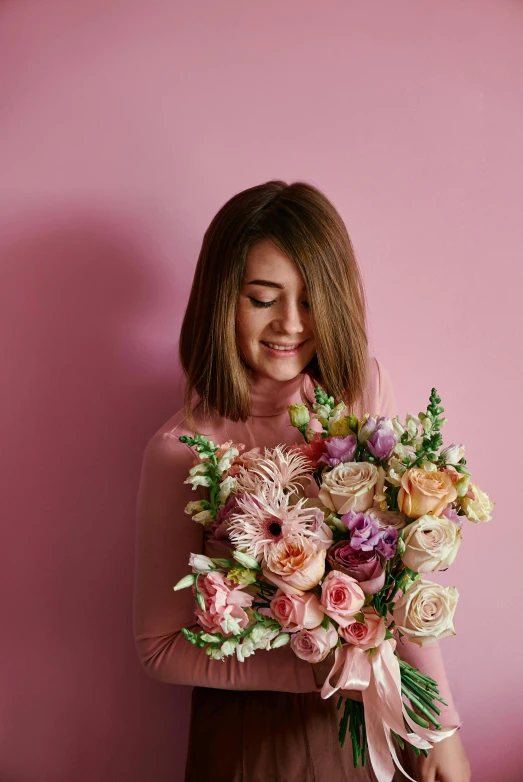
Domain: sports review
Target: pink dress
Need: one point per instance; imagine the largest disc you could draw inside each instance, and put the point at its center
(262, 719)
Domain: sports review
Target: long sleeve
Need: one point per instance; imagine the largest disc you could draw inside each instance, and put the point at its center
(428, 659)
(165, 536)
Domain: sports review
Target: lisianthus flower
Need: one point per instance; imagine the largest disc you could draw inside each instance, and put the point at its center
(339, 449)
(366, 532)
(383, 440)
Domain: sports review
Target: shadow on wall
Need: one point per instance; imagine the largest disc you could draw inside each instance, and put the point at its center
(84, 386)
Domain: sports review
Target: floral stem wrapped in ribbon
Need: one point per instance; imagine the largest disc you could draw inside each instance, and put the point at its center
(342, 573)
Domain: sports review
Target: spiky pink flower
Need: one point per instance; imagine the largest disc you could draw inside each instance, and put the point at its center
(266, 516)
(280, 465)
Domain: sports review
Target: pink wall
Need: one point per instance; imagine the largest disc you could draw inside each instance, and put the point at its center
(124, 127)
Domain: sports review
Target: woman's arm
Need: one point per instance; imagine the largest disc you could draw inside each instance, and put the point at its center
(165, 537)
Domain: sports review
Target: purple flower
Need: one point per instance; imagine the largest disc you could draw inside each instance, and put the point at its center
(383, 440)
(364, 566)
(366, 532)
(339, 449)
(387, 545)
(453, 515)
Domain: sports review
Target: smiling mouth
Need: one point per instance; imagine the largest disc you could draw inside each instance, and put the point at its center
(284, 347)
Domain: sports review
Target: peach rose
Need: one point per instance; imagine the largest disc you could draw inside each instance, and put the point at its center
(479, 508)
(366, 634)
(296, 611)
(349, 486)
(424, 613)
(425, 491)
(314, 645)
(431, 543)
(295, 563)
(341, 597)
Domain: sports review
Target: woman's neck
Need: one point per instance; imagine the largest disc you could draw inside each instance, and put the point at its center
(270, 397)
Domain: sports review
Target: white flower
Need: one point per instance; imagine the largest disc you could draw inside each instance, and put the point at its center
(412, 424)
(229, 624)
(228, 647)
(200, 563)
(227, 486)
(204, 517)
(198, 469)
(453, 453)
(216, 654)
(431, 542)
(245, 649)
(193, 507)
(478, 509)
(210, 639)
(425, 612)
(397, 427)
(428, 465)
(323, 413)
(225, 462)
(198, 480)
(262, 636)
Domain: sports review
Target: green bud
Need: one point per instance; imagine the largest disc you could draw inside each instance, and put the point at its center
(299, 415)
(185, 582)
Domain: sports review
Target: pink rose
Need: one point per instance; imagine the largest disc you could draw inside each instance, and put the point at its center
(365, 635)
(296, 612)
(314, 645)
(224, 604)
(364, 566)
(295, 563)
(341, 597)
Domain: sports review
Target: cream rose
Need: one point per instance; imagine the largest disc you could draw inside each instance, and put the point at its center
(431, 543)
(423, 491)
(295, 563)
(425, 612)
(349, 486)
(479, 508)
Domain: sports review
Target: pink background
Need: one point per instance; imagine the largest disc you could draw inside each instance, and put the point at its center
(124, 126)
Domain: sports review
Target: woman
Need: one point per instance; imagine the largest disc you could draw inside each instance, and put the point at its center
(277, 304)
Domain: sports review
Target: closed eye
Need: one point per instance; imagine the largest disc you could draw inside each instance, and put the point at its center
(258, 303)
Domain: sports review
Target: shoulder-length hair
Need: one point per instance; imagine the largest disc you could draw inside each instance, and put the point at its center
(305, 226)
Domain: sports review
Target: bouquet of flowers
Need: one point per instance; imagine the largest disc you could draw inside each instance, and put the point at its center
(342, 567)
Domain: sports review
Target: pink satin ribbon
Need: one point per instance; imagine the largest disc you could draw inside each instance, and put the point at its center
(378, 678)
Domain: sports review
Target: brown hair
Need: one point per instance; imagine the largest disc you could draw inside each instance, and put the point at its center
(305, 226)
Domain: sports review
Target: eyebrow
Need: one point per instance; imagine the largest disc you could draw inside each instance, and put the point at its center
(269, 284)
(266, 283)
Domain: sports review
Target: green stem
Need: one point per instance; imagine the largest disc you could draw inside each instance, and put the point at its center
(419, 705)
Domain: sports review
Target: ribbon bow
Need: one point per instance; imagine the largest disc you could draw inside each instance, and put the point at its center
(377, 676)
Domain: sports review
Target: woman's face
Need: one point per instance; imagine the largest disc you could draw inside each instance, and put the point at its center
(273, 322)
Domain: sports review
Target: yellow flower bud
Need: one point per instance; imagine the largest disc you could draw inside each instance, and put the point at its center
(299, 415)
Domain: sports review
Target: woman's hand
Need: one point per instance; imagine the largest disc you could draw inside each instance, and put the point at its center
(446, 762)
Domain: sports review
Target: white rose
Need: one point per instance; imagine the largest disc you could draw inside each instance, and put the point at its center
(349, 486)
(478, 509)
(431, 543)
(425, 612)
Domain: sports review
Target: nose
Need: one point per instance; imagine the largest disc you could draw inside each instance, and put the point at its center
(290, 320)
